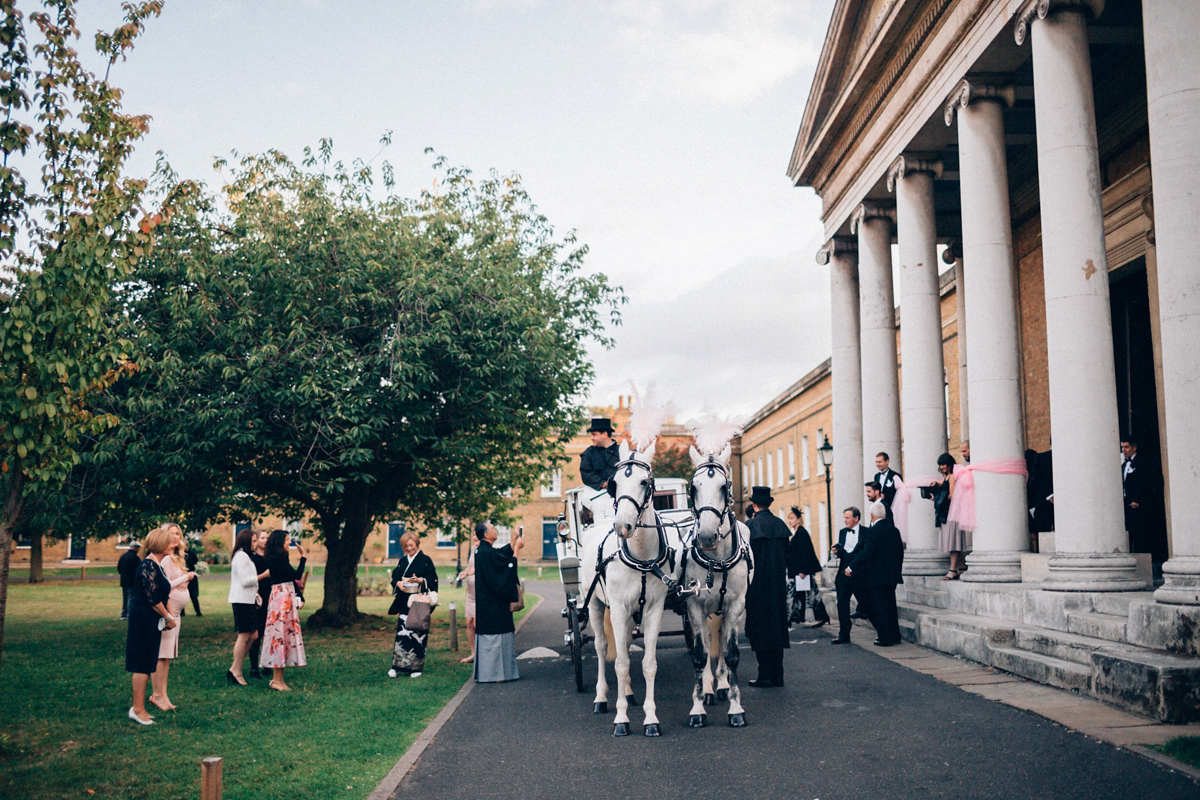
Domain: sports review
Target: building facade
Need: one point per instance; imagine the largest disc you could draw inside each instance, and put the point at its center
(1050, 149)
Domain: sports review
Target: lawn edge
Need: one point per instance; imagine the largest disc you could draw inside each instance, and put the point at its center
(398, 773)
(1165, 760)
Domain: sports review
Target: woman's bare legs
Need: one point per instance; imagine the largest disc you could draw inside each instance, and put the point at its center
(470, 635)
(159, 684)
(139, 695)
(277, 682)
(240, 647)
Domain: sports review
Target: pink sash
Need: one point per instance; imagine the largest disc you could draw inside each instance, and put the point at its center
(962, 503)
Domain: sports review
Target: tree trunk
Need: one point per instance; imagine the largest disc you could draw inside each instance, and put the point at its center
(12, 512)
(35, 558)
(344, 544)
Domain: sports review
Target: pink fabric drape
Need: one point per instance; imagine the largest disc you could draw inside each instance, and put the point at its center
(962, 504)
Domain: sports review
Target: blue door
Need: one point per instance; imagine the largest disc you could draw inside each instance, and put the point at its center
(395, 531)
(78, 548)
(549, 538)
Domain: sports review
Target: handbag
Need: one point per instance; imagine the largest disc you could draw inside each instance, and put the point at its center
(420, 611)
(520, 603)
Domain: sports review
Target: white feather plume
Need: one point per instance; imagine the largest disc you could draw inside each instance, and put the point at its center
(712, 431)
(649, 415)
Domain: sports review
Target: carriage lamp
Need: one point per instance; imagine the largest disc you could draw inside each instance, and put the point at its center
(563, 528)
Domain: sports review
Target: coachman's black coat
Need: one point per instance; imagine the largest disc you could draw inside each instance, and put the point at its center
(495, 588)
(597, 465)
(766, 599)
(420, 567)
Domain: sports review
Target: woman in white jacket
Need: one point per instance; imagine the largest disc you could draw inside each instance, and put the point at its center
(243, 591)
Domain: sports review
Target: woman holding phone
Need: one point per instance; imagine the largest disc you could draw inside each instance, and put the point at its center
(415, 574)
(496, 589)
(284, 646)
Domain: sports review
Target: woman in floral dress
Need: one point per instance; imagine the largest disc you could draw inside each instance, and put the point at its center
(283, 646)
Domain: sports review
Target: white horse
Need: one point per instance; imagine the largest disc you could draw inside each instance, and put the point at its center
(638, 562)
(718, 562)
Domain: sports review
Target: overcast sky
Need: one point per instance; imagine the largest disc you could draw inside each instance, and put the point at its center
(658, 130)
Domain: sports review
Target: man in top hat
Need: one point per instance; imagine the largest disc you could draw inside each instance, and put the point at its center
(598, 463)
(766, 599)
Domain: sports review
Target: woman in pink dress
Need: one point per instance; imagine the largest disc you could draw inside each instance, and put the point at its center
(468, 577)
(178, 576)
(284, 644)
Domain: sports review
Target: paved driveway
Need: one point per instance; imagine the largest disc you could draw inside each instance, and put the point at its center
(849, 724)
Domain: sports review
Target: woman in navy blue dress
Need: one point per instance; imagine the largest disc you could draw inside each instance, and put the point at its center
(147, 611)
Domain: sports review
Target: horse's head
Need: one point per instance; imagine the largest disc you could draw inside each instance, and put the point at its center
(632, 487)
(711, 494)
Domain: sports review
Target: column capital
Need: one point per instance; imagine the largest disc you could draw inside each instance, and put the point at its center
(1040, 9)
(973, 91)
(953, 251)
(871, 210)
(908, 164)
(838, 245)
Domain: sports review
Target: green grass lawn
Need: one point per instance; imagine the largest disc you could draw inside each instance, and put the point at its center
(63, 725)
(1182, 748)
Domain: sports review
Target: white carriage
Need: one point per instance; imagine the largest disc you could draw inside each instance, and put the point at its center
(671, 503)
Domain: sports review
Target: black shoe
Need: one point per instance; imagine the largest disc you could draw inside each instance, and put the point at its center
(858, 615)
(763, 683)
(880, 643)
(232, 680)
(820, 624)
(255, 673)
(841, 640)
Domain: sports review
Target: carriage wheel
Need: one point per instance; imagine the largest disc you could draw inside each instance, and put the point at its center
(576, 645)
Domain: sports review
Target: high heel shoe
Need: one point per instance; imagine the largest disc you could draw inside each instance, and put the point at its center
(229, 676)
(133, 716)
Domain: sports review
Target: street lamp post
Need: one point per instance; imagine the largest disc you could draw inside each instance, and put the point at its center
(825, 453)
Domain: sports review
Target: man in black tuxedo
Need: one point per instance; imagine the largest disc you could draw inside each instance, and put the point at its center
(881, 559)
(886, 477)
(875, 494)
(850, 544)
(1135, 489)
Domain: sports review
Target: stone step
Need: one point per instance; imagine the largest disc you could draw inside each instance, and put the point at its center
(1065, 646)
(908, 630)
(1097, 626)
(929, 597)
(1117, 603)
(1042, 668)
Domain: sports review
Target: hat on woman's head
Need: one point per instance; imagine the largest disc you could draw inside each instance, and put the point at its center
(761, 496)
(601, 424)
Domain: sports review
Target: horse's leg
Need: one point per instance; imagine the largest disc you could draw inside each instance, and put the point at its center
(622, 628)
(698, 717)
(650, 666)
(600, 640)
(712, 638)
(737, 714)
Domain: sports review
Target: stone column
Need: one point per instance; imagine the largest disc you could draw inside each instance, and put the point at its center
(953, 255)
(841, 254)
(877, 311)
(994, 391)
(923, 396)
(1172, 31)
(1090, 540)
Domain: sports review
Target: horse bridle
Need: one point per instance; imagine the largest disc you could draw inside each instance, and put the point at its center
(713, 466)
(629, 464)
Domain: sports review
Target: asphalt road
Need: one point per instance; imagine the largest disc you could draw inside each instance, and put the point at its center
(848, 725)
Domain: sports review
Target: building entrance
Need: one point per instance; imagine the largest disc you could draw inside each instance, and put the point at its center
(1137, 402)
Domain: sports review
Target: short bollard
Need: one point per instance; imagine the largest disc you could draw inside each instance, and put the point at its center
(210, 779)
(539, 573)
(453, 628)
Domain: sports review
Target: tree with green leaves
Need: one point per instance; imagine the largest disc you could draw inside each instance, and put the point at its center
(69, 229)
(317, 351)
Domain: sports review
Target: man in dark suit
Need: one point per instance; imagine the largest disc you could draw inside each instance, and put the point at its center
(598, 463)
(886, 477)
(1135, 490)
(850, 544)
(127, 566)
(875, 494)
(766, 598)
(881, 559)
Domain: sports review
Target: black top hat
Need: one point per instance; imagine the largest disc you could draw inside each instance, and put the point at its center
(761, 496)
(602, 424)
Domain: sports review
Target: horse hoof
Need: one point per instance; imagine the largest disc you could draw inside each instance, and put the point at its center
(652, 729)
(710, 699)
(600, 708)
(722, 695)
(737, 720)
(698, 721)
(621, 729)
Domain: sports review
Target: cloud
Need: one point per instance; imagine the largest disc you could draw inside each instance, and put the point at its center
(723, 51)
(730, 344)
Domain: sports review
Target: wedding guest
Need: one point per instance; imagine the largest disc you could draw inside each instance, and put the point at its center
(415, 574)
(192, 558)
(244, 578)
(468, 578)
(284, 644)
(259, 556)
(175, 568)
(127, 566)
(147, 610)
(802, 565)
(496, 589)
(951, 538)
